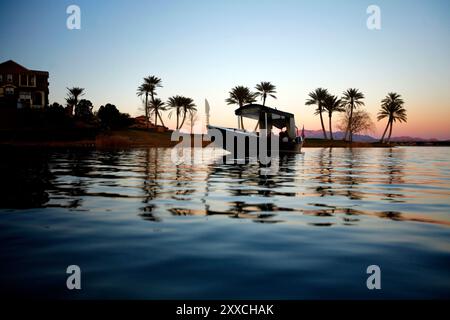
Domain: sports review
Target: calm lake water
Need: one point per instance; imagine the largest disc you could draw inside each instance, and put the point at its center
(140, 226)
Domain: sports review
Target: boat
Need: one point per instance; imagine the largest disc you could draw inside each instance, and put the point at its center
(287, 141)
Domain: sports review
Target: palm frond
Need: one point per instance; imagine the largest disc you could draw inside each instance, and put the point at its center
(241, 95)
(392, 108)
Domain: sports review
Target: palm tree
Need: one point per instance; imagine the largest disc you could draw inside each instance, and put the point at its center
(153, 82)
(144, 89)
(75, 92)
(265, 89)
(176, 103)
(188, 107)
(193, 117)
(72, 97)
(352, 99)
(148, 87)
(332, 104)
(317, 97)
(155, 106)
(181, 106)
(392, 108)
(241, 95)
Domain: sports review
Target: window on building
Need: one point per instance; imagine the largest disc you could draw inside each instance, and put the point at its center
(32, 81)
(1, 78)
(23, 80)
(25, 96)
(9, 77)
(9, 90)
(37, 99)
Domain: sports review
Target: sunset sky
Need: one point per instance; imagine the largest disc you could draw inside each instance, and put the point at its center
(202, 49)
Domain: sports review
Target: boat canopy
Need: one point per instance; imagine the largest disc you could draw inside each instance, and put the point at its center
(279, 119)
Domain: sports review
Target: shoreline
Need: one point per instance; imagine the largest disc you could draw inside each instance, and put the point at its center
(138, 138)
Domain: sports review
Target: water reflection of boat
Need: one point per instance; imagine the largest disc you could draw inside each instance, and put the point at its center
(289, 141)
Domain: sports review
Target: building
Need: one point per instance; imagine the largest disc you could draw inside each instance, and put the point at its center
(141, 122)
(21, 87)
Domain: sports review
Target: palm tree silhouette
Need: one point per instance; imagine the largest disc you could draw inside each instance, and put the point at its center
(188, 107)
(72, 97)
(332, 104)
(175, 103)
(241, 95)
(317, 97)
(352, 99)
(181, 106)
(144, 89)
(192, 119)
(148, 87)
(392, 108)
(155, 106)
(265, 89)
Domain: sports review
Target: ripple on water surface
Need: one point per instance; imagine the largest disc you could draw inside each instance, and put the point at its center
(141, 226)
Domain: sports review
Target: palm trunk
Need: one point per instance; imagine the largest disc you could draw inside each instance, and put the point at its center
(146, 109)
(346, 131)
(264, 99)
(241, 118)
(156, 118)
(153, 101)
(390, 132)
(184, 118)
(178, 115)
(385, 130)
(331, 130)
(350, 131)
(76, 104)
(321, 122)
(160, 118)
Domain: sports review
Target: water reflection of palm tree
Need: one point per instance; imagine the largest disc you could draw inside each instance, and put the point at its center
(150, 186)
(329, 181)
(183, 185)
(252, 180)
(325, 171)
(178, 184)
(351, 179)
(394, 175)
(80, 166)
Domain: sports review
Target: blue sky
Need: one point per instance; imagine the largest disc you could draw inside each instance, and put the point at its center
(203, 48)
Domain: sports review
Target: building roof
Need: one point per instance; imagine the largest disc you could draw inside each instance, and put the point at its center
(253, 111)
(279, 119)
(14, 67)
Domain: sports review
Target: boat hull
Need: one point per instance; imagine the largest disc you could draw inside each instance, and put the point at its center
(227, 139)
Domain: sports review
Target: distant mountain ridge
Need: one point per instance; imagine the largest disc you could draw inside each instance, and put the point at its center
(339, 135)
